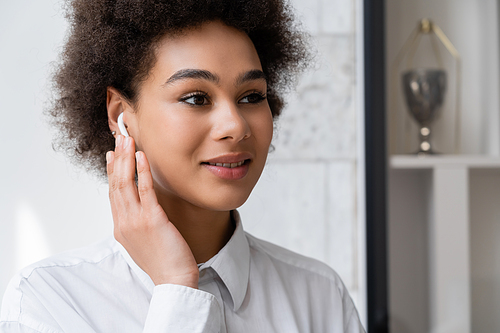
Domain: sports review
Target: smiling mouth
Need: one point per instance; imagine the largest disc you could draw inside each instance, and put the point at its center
(229, 165)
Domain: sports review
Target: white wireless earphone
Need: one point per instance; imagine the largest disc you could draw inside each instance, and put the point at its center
(121, 125)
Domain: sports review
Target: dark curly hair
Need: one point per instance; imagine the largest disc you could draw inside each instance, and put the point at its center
(111, 43)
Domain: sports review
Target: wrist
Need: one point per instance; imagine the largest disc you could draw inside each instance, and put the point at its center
(187, 281)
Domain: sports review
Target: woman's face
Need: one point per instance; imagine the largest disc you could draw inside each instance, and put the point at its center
(203, 119)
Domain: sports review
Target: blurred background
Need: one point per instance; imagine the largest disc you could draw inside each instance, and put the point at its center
(443, 210)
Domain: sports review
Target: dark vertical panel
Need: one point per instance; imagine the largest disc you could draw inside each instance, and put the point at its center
(375, 154)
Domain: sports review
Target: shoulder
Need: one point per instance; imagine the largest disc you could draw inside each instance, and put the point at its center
(307, 284)
(43, 278)
(290, 261)
(90, 254)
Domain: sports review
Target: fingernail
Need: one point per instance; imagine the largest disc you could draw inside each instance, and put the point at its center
(138, 156)
(118, 141)
(108, 157)
(128, 140)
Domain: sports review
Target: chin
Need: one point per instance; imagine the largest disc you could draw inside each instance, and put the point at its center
(224, 202)
(212, 196)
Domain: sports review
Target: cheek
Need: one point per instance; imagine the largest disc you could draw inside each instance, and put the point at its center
(172, 128)
(263, 127)
(171, 139)
(171, 155)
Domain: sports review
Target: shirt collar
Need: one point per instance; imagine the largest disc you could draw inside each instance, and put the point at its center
(232, 264)
(143, 276)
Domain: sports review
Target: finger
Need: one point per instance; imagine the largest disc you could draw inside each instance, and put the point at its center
(110, 156)
(123, 192)
(123, 180)
(110, 161)
(145, 186)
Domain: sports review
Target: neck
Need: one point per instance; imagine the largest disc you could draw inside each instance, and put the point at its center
(205, 231)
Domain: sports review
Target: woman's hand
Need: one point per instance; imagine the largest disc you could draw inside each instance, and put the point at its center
(140, 223)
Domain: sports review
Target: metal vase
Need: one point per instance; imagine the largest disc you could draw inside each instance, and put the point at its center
(424, 91)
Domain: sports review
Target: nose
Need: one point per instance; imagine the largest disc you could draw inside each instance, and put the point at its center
(229, 123)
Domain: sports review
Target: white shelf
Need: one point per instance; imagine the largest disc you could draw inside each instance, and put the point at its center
(436, 206)
(430, 162)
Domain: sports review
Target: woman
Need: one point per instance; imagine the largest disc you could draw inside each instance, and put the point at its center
(198, 85)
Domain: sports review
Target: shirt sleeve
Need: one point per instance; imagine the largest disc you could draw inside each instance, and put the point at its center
(354, 324)
(176, 308)
(173, 309)
(351, 316)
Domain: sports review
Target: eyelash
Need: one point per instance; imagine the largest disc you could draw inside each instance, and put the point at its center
(198, 94)
(257, 95)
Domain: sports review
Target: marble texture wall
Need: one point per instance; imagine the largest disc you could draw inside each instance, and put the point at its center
(306, 199)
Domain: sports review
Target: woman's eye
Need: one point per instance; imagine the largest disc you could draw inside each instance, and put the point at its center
(196, 99)
(253, 98)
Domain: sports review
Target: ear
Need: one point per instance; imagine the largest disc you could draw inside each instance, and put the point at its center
(116, 104)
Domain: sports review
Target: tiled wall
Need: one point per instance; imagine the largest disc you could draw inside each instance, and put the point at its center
(306, 198)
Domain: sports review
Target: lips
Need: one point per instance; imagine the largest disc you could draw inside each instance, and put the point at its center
(229, 158)
(231, 166)
(228, 165)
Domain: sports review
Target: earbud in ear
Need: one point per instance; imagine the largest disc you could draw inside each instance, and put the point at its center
(121, 125)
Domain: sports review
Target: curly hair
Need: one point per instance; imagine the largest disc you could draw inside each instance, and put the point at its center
(111, 43)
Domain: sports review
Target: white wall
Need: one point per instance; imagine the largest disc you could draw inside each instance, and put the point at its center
(485, 250)
(309, 198)
(47, 205)
(306, 200)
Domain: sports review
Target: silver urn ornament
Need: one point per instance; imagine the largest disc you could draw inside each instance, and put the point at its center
(424, 91)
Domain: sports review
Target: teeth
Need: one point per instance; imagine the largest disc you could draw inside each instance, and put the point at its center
(228, 165)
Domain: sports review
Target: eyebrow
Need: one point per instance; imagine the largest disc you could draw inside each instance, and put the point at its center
(192, 74)
(254, 74)
(183, 74)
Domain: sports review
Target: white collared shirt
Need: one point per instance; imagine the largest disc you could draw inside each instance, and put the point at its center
(249, 286)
